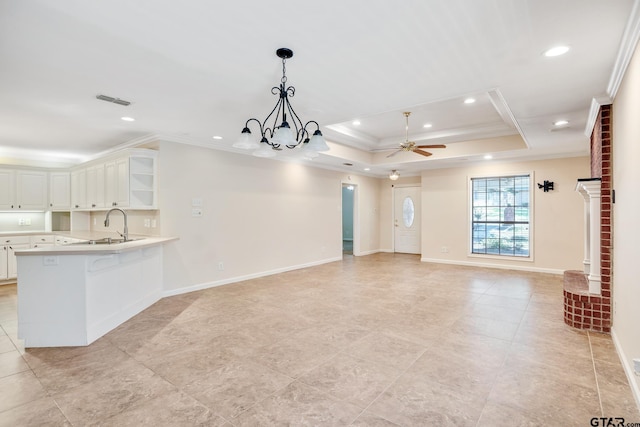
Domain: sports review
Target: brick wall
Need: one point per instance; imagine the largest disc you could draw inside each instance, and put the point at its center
(583, 310)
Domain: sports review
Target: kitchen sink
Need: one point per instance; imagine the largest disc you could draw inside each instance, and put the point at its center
(105, 241)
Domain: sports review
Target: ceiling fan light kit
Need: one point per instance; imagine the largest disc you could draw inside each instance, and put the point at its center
(283, 135)
(394, 175)
(411, 145)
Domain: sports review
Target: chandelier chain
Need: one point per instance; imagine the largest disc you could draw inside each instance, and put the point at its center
(284, 71)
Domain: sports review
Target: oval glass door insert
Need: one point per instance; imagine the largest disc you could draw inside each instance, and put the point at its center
(408, 212)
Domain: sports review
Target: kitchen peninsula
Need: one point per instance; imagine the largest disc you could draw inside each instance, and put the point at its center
(72, 295)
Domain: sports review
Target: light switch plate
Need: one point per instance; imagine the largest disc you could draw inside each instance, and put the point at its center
(196, 212)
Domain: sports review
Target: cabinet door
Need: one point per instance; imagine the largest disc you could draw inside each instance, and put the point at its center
(117, 182)
(12, 262)
(122, 195)
(7, 189)
(79, 189)
(59, 191)
(4, 271)
(95, 186)
(31, 190)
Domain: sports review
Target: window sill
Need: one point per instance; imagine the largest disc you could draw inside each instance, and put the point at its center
(501, 257)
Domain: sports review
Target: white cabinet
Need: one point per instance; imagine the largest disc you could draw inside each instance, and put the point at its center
(31, 190)
(142, 181)
(95, 186)
(4, 262)
(40, 241)
(59, 191)
(125, 181)
(23, 190)
(7, 189)
(117, 182)
(9, 245)
(79, 189)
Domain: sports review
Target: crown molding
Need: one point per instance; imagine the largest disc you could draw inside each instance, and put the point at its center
(627, 48)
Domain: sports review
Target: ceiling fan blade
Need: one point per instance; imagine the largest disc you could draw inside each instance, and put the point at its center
(394, 153)
(433, 146)
(424, 153)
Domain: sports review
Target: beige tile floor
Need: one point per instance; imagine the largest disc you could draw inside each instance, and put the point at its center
(381, 340)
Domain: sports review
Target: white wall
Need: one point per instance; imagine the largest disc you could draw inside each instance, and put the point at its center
(260, 215)
(626, 218)
(558, 216)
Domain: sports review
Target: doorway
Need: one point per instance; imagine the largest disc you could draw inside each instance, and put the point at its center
(407, 220)
(348, 191)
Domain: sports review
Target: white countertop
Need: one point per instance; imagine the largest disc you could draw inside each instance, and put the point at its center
(87, 249)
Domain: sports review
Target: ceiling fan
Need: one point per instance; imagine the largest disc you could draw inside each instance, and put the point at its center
(411, 145)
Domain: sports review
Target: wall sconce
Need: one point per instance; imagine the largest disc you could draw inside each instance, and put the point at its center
(546, 185)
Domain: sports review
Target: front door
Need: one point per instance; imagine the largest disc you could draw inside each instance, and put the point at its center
(406, 214)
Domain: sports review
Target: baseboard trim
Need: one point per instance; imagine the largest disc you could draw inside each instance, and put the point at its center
(363, 253)
(628, 369)
(207, 285)
(489, 265)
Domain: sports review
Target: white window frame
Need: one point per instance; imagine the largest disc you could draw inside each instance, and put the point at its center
(470, 253)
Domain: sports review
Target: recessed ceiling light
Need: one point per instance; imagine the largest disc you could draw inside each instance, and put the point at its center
(488, 157)
(355, 123)
(128, 119)
(367, 169)
(469, 101)
(217, 137)
(561, 123)
(427, 125)
(556, 51)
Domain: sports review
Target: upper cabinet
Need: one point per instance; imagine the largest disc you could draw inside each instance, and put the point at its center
(24, 190)
(7, 189)
(59, 191)
(95, 186)
(127, 180)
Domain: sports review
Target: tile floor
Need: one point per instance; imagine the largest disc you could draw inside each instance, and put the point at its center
(380, 340)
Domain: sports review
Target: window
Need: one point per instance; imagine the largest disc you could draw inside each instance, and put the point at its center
(500, 208)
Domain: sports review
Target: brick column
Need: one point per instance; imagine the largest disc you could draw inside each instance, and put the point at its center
(606, 244)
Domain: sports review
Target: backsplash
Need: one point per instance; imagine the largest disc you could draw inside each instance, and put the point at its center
(22, 222)
(137, 222)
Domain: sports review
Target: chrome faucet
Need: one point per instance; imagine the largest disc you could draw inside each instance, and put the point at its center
(125, 233)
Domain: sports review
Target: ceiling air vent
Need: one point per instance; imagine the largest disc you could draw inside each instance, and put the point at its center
(114, 100)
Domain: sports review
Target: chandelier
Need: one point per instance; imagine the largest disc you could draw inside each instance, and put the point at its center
(287, 130)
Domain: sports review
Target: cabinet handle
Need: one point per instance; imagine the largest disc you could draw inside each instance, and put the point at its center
(19, 206)
(50, 204)
(93, 205)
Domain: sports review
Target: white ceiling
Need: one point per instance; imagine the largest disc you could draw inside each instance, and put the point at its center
(200, 68)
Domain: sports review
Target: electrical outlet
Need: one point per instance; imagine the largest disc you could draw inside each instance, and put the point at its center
(153, 223)
(20, 221)
(27, 221)
(444, 249)
(636, 366)
(196, 212)
(147, 222)
(95, 221)
(221, 266)
(50, 260)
